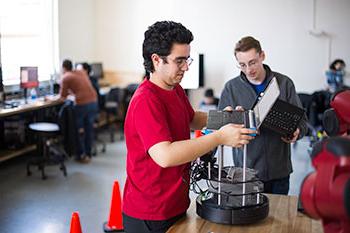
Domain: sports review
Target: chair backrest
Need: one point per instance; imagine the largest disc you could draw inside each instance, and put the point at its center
(321, 100)
(96, 86)
(306, 101)
(130, 90)
(115, 102)
(114, 95)
(320, 103)
(68, 128)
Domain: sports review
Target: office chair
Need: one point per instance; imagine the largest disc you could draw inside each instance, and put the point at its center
(314, 105)
(115, 111)
(48, 154)
(68, 128)
(320, 103)
(97, 140)
(130, 90)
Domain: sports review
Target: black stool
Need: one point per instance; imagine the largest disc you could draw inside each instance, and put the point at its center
(46, 131)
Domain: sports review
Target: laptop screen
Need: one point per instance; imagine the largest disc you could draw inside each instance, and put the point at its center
(266, 101)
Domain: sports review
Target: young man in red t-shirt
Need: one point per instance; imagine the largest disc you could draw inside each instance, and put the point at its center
(157, 133)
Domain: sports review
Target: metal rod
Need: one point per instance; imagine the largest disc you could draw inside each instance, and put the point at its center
(220, 163)
(256, 188)
(248, 123)
(209, 170)
(244, 175)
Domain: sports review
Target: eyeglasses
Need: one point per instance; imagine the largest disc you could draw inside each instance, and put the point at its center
(180, 61)
(251, 64)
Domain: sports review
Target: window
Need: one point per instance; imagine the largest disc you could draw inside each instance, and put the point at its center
(28, 37)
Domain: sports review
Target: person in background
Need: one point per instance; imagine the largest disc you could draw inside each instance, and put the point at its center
(94, 81)
(157, 134)
(77, 83)
(269, 154)
(210, 101)
(335, 75)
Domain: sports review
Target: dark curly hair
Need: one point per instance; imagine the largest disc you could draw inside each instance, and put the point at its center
(159, 39)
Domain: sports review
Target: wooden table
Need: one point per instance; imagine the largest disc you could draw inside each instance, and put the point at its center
(30, 106)
(283, 217)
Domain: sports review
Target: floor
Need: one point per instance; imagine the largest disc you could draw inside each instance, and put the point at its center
(29, 204)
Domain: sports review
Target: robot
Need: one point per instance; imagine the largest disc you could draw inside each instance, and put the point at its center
(336, 120)
(325, 193)
(234, 195)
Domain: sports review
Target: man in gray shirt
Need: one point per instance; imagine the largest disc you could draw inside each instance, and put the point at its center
(268, 153)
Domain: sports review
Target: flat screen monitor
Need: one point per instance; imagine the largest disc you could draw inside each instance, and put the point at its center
(96, 70)
(29, 77)
(1, 86)
(194, 77)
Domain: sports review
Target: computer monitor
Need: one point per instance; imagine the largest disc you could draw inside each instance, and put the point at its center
(2, 91)
(96, 70)
(29, 77)
(194, 77)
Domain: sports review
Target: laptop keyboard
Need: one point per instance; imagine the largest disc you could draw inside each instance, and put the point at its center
(217, 119)
(283, 118)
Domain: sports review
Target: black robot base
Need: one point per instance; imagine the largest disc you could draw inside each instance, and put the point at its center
(232, 215)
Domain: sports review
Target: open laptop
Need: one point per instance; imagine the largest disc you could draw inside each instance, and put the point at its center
(269, 112)
(265, 101)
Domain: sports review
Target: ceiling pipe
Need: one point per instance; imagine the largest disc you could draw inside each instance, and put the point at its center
(317, 32)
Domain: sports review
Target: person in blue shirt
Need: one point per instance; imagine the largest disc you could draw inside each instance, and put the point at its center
(335, 75)
(269, 153)
(210, 102)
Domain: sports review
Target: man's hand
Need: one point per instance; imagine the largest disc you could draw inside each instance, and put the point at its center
(230, 109)
(235, 135)
(293, 138)
(239, 108)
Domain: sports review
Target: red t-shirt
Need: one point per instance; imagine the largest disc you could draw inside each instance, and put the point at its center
(155, 115)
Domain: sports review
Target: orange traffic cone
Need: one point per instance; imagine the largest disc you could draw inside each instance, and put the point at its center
(115, 222)
(75, 226)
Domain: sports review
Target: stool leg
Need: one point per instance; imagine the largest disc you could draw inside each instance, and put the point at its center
(94, 149)
(111, 131)
(42, 168)
(45, 158)
(121, 129)
(103, 147)
(29, 173)
(63, 169)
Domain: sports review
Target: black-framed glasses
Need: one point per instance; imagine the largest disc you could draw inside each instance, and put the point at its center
(253, 64)
(180, 61)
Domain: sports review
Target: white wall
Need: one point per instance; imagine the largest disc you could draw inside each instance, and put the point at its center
(281, 26)
(76, 25)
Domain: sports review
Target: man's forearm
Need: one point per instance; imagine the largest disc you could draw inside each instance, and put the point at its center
(199, 120)
(168, 154)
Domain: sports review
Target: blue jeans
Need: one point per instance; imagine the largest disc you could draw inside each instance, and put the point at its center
(85, 117)
(278, 186)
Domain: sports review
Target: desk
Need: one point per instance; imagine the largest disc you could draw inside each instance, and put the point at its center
(283, 217)
(121, 79)
(30, 106)
(40, 103)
